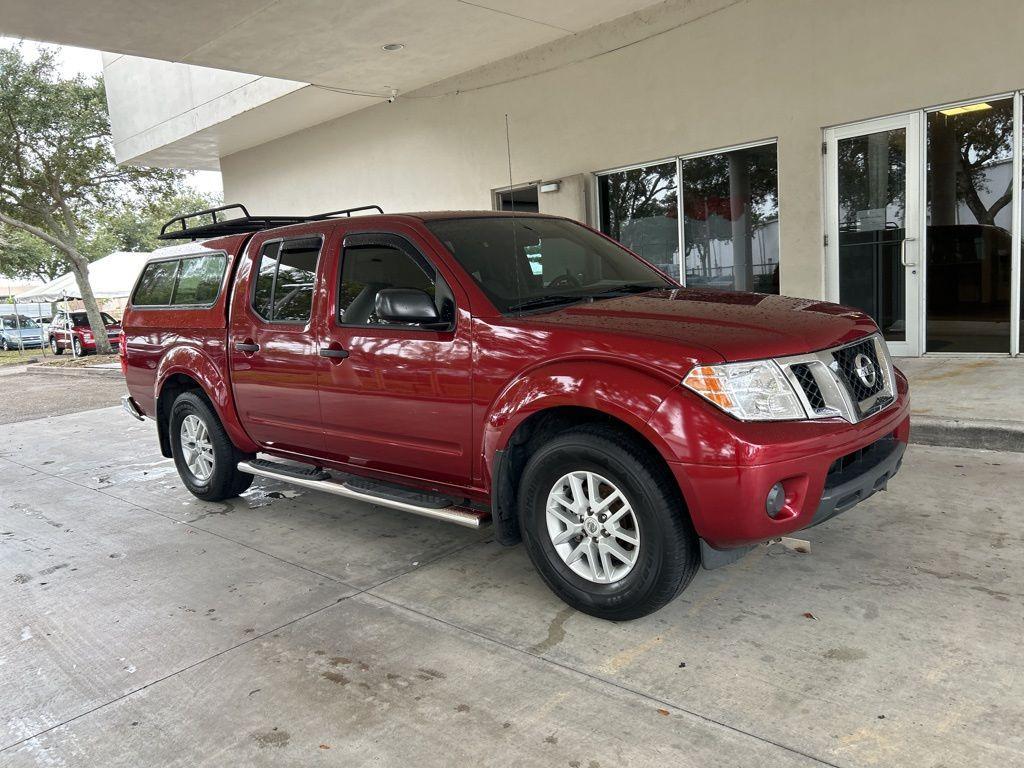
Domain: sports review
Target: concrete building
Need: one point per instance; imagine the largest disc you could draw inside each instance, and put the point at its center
(863, 151)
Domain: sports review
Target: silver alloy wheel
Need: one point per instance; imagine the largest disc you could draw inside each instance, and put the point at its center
(53, 344)
(196, 447)
(592, 527)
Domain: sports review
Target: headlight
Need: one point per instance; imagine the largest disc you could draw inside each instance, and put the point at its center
(756, 391)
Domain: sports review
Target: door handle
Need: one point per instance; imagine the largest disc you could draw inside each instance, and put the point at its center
(903, 252)
(247, 347)
(339, 354)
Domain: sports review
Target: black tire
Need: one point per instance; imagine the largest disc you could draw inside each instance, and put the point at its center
(5, 345)
(226, 481)
(77, 344)
(669, 552)
(55, 347)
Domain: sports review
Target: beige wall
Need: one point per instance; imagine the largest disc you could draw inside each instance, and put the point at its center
(710, 73)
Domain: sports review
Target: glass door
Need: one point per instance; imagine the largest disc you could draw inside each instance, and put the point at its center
(970, 208)
(873, 225)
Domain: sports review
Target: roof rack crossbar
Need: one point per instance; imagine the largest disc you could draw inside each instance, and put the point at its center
(211, 212)
(345, 212)
(220, 226)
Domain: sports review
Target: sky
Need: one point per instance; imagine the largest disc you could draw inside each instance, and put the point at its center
(75, 61)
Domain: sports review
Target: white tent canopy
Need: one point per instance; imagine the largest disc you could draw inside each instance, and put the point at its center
(111, 277)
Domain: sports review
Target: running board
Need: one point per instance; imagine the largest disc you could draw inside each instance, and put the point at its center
(464, 516)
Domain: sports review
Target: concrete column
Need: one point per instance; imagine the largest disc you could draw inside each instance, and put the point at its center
(878, 170)
(801, 213)
(943, 157)
(739, 206)
(570, 200)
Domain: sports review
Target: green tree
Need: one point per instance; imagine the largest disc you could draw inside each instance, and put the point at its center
(57, 168)
(25, 257)
(130, 227)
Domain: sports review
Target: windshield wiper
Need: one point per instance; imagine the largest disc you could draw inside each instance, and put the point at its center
(623, 290)
(551, 300)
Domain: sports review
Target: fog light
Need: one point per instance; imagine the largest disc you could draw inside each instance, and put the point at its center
(775, 501)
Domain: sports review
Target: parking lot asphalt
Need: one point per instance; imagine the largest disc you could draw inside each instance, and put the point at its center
(34, 394)
(141, 626)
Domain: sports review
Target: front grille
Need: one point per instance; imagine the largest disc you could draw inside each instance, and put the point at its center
(847, 369)
(828, 385)
(803, 374)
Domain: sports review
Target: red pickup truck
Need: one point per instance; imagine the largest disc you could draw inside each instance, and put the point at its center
(518, 369)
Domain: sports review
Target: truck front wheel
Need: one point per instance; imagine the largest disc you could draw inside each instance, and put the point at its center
(206, 459)
(605, 525)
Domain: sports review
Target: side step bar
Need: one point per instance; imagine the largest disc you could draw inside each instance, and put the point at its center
(318, 480)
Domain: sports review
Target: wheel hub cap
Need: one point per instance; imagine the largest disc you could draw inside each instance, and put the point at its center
(592, 527)
(197, 448)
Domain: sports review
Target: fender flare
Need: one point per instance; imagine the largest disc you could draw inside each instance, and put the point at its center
(627, 392)
(199, 366)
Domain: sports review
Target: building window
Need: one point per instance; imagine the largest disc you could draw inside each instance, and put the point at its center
(731, 220)
(639, 208)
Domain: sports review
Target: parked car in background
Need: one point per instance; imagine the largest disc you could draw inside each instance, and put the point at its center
(520, 369)
(19, 332)
(70, 330)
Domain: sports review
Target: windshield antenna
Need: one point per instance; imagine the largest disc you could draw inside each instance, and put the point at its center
(512, 219)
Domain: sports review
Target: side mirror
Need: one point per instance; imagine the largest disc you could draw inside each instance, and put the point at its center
(406, 305)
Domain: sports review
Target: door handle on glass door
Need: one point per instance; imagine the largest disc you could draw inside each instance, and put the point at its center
(903, 252)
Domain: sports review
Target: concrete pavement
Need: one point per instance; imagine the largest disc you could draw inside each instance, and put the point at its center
(143, 627)
(967, 402)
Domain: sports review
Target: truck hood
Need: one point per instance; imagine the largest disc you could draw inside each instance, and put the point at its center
(738, 326)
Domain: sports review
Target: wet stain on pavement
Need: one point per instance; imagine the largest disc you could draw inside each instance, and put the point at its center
(335, 677)
(556, 632)
(845, 654)
(271, 738)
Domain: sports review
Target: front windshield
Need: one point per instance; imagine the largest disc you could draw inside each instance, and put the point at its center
(80, 319)
(527, 262)
(11, 322)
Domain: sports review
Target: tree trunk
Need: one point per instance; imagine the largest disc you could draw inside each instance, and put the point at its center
(80, 266)
(65, 243)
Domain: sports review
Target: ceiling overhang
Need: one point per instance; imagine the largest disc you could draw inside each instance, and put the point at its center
(334, 43)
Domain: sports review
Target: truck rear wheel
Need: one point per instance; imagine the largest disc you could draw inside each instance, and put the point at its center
(604, 524)
(206, 459)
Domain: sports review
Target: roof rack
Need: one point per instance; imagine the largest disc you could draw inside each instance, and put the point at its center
(246, 222)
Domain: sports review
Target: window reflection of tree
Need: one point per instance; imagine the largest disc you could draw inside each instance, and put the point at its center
(631, 200)
(962, 150)
(871, 180)
(729, 197)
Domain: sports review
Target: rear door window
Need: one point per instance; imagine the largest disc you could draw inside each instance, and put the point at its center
(285, 277)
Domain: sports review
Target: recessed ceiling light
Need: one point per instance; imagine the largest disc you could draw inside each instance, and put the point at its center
(979, 107)
(392, 46)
